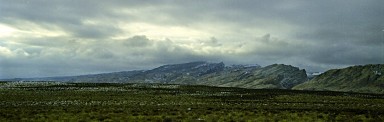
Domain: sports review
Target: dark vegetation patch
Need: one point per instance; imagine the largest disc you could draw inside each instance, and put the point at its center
(160, 102)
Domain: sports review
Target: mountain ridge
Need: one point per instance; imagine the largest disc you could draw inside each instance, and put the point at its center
(200, 73)
(361, 78)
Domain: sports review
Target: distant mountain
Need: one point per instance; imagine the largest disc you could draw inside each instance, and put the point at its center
(186, 73)
(364, 79)
(277, 76)
(367, 79)
(104, 77)
(312, 75)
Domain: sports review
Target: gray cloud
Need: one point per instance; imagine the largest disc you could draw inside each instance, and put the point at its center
(55, 37)
(213, 42)
(138, 41)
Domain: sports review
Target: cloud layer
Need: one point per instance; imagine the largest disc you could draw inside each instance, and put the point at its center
(55, 37)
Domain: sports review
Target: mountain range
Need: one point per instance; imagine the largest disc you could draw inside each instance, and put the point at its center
(366, 79)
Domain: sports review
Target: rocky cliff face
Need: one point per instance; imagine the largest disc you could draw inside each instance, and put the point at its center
(277, 76)
(178, 73)
(368, 79)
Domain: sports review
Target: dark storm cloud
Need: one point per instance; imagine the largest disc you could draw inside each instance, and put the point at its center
(67, 15)
(91, 36)
(351, 26)
(161, 51)
(347, 54)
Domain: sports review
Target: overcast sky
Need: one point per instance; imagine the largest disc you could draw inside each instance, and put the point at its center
(41, 38)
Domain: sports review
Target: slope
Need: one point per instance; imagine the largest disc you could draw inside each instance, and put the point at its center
(367, 79)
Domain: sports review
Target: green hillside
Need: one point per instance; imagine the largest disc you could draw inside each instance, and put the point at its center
(365, 79)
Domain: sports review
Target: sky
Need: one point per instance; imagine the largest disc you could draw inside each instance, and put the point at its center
(40, 38)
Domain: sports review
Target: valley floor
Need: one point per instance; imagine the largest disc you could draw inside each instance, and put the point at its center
(51, 101)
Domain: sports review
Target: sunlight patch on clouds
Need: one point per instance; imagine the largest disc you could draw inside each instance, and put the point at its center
(43, 32)
(90, 22)
(5, 52)
(6, 30)
(25, 29)
(16, 53)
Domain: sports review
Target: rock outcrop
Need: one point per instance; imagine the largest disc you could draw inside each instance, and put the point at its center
(277, 76)
(363, 79)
